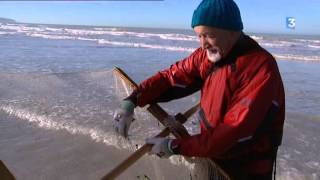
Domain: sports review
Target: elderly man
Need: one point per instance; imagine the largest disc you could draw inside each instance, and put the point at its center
(242, 96)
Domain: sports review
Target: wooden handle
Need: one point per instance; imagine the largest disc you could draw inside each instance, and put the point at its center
(5, 174)
(157, 111)
(125, 77)
(143, 150)
(160, 114)
(128, 162)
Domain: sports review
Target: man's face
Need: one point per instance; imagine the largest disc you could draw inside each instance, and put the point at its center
(215, 41)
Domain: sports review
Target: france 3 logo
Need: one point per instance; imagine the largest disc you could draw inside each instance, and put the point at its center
(291, 22)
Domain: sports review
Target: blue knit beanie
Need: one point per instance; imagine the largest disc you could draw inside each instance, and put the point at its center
(222, 14)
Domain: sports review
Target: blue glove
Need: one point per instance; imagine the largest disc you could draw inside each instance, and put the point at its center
(123, 117)
(161, 146)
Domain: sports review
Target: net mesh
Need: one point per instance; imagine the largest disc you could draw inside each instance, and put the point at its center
(193, 168)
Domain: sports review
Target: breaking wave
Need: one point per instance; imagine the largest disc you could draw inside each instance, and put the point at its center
(42, 121)
(91, 34)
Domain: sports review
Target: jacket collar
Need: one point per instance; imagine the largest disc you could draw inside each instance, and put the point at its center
(243, 46)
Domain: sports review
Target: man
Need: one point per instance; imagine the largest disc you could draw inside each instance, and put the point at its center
(242, 102)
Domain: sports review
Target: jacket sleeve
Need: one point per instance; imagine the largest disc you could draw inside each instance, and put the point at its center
(181, 75)
(249, 106)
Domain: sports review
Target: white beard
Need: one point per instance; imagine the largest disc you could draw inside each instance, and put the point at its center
(213, 55)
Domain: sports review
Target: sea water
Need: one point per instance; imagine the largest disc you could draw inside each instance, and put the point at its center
(58, 95)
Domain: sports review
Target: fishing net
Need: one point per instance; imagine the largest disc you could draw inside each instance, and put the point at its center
(64, 122)
(193, 168)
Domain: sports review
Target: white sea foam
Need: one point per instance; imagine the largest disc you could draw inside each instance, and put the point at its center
(257, 37)
(84, 32)
(179, 37)
(85, 35)
(45, 122)
(168, 48)
(22, 29)
(54, 29)
(46, 36)
(113, 32)
(274, 44)
(297, 57)
(105, 29)
(308, 40)
(286, 172)
(7, 33)
(114, 43)
(98, 135)
(86, 39)
(143, 45)
(313, 165)
(95, 31)
(314, 46)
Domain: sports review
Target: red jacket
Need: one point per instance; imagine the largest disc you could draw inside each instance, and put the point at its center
(236, 95)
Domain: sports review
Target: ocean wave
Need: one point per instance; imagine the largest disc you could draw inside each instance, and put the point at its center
(297, 57)
(143, 45)
(115, 32)
(6, 33)
(314, 46)
(95, 31)
(308, 40)
(285, 171)
(109, 138)
(287, 44)
(84, 32)
(168, 48)
(178, 37)
(46, 36)
(9, 27)
(77, 33)
(274, 44)
(42, 121)
(21, 28)
(106, 29)
(85, 35)
(53, 29)
(257, 37)
(194, 165)
(114, 43)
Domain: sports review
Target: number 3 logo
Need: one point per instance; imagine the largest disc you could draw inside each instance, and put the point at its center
(291, 22)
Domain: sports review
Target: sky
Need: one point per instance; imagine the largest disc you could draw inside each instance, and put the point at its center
(258, 16)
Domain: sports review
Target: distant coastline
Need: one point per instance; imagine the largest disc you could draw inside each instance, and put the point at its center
(7, 20)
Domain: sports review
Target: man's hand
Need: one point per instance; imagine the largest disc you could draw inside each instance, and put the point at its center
(161, 146)
(123, 117)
